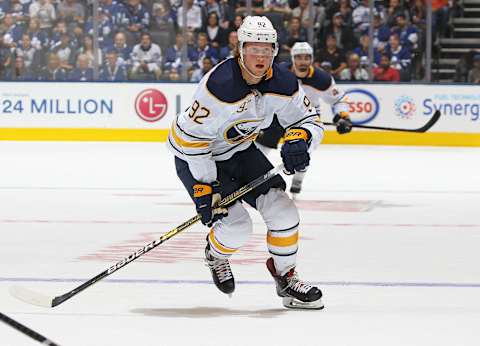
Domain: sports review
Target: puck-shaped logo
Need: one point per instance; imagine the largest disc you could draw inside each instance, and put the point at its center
(151, 105)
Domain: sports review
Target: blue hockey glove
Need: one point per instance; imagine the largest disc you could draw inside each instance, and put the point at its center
(206, 197)
(294, 151)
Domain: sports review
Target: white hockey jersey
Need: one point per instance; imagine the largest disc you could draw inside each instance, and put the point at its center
(320, 86)
(227, 114)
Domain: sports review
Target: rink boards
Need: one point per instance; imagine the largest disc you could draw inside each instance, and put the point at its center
(144, 111)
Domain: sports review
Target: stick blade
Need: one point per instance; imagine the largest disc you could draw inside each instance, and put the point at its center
(31, 297)
(431, 122)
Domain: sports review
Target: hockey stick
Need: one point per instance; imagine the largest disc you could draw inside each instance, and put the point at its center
(27, 331)
(424, 128)
(35, 298)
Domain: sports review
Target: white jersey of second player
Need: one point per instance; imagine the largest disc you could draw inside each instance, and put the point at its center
(320, 86)
(227, 114)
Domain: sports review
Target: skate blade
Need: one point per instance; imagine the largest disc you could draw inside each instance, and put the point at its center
(293, 303)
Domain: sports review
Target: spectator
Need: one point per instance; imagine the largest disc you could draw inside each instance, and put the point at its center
(82, 72)
(295, 33)
(38, 38)
(117, 13)
(147, 59)
(344, 35)
(231, 48)
(20, 73)
(217, 36)
(11, 31)
(346, 11)
(112, 69)
(211, 6)
(162, 18)
(19, 11)
(354, 72)
(28, 53)
(257, 7)
(401, 57)
(76, 40)
(418, 14)
(203, 50)
(407, 33)
(384, 72)
(362, 50)
(5, 58)
(237, 21)
(277, 7)
(122, 49)
(65, 52)
(333, 55)
(464, 65)
(87, 50)
(53, 71)
(197, 75)
(57, 32)
(138, 18)
(474, 73)
(45, 12)
(71, 11)
(440, 17)
(381, 32)
(173, 55)
(4, 7)
(361, 17)
(194, 16)
(303, 12)
(227, 16)
(394, 9)
(173, 75)
(105, 28)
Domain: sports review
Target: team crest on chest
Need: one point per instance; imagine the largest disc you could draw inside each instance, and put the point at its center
(241, 131)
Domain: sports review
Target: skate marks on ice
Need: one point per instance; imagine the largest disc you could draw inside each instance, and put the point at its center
(348, 206)
(209, 312)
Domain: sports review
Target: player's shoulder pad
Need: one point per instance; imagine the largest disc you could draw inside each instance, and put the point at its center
(318, 79)
(225, 82)
(286, 64)
(279, 81)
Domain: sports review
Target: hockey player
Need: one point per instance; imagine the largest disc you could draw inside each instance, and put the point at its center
(215, 155)
(318, 85)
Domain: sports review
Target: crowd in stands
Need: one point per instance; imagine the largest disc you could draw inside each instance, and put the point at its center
(52, 40)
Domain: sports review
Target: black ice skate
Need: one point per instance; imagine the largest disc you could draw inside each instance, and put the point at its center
(221, 273)
(295, 293)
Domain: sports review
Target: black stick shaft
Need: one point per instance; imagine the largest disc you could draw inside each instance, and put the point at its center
(422, 129)
(27, 331)
(140, 252)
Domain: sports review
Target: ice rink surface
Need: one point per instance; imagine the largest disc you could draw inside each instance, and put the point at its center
(390, 234)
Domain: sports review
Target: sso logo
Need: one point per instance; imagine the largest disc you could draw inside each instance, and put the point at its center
(364, 105)
(151, 105)
(405, 107)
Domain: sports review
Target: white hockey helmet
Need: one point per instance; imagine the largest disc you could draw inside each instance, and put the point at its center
(257, 29)
(301, 48)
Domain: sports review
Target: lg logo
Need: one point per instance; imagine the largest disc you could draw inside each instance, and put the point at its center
(151, 105)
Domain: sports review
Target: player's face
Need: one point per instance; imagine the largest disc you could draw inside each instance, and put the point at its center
(302, 62)
(258, 57)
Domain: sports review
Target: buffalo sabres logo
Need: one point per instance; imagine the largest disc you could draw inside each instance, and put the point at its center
(241, 131)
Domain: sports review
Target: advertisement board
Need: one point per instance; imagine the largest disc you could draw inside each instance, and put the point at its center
(144, 111)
